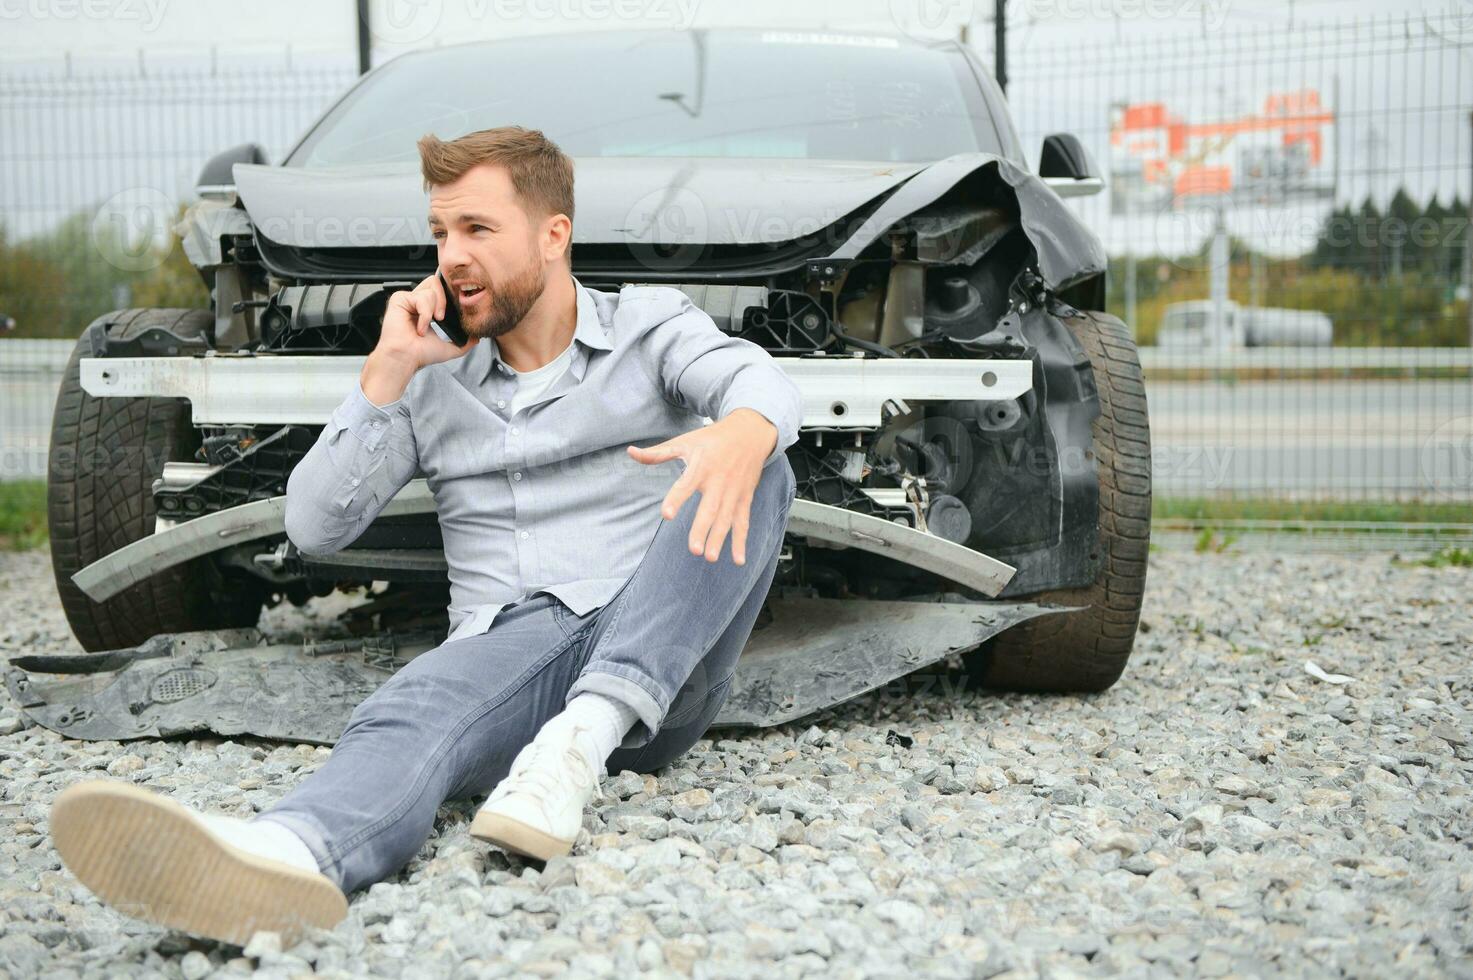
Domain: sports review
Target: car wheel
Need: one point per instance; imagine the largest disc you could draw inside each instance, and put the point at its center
(105, 455)
(1087, 650)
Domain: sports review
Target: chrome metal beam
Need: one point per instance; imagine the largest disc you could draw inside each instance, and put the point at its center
(281, 389)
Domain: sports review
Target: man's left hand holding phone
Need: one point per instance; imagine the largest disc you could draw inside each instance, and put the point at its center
(405, 344)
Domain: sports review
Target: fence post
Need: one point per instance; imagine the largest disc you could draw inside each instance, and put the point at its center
(1000, 44)
(363, 38)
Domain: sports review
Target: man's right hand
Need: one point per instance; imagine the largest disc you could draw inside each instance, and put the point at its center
(406, 343)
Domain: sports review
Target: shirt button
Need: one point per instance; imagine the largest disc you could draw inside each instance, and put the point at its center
(514, 430)
(500, 403)
(524, 535)
(355, 481)
(377, 424)
(516, 476)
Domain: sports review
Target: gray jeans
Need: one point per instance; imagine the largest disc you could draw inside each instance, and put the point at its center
(447, 725)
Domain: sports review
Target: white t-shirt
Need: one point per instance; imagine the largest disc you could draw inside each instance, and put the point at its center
(532, 383)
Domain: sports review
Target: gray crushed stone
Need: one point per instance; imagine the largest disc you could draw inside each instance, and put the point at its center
(1219, 812)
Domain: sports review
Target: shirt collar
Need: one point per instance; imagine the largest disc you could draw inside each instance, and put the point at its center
(588, 329)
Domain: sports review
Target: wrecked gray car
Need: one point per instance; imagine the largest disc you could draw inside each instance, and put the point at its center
(973, 463)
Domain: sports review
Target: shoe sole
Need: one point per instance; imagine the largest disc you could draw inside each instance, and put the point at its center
(515, 836)
(149, 857)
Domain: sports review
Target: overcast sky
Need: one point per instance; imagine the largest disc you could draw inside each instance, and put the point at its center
(32, 30)
(1403, 123)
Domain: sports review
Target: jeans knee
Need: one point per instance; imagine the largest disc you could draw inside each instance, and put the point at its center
(410, 700)
(775, 489)
(779, 472)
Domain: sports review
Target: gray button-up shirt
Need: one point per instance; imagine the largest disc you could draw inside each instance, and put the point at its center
(546, 499)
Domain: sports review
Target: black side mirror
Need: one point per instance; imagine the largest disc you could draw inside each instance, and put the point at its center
(1064, 156)
(219, 173)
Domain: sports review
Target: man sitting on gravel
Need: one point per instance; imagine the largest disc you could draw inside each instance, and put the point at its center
(593, 621)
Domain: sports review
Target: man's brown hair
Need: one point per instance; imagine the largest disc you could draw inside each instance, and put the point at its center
(540, 172)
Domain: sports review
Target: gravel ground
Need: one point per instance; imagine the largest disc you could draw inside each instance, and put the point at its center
(1220, 811)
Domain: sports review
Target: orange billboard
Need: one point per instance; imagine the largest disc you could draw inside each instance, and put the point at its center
(1279, 154)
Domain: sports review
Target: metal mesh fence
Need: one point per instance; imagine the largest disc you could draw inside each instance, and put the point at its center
(77, 138)
(1287, 219)
(1286, 215)
(87, 151)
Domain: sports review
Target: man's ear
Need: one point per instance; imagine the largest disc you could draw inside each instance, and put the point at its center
(557, 236)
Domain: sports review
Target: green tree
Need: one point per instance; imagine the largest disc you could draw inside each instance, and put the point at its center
(57, 283)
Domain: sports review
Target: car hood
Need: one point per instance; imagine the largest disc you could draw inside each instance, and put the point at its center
(618, 200)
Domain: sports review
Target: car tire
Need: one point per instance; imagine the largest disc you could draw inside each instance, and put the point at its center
(105, 454)
(1086, 650)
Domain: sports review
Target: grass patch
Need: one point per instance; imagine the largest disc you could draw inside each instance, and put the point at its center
(22, 515)
(1264, 509)
(1210, 540)
(1230, 376)
(1448, 556)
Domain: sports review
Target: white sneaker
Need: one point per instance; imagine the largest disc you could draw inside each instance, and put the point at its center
(537, 810)
(155, 859)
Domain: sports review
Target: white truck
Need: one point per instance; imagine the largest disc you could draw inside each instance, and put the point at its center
(1194, 326)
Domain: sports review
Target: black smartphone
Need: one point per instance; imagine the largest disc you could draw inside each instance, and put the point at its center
(451, 326)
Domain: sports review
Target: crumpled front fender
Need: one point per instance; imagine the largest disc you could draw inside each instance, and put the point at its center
(1068, 252)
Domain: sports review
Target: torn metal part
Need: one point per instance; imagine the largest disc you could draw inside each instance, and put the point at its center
(811, 654)
(230, 682)
(132, 563)
(242, 466)
(204, 224)
(1068, 251)
(817, 653)
(946, 558)
(155, 647)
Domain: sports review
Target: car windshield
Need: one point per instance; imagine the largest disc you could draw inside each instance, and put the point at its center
(736, 95)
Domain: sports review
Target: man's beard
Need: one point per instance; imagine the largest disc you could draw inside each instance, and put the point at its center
(508, 303)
